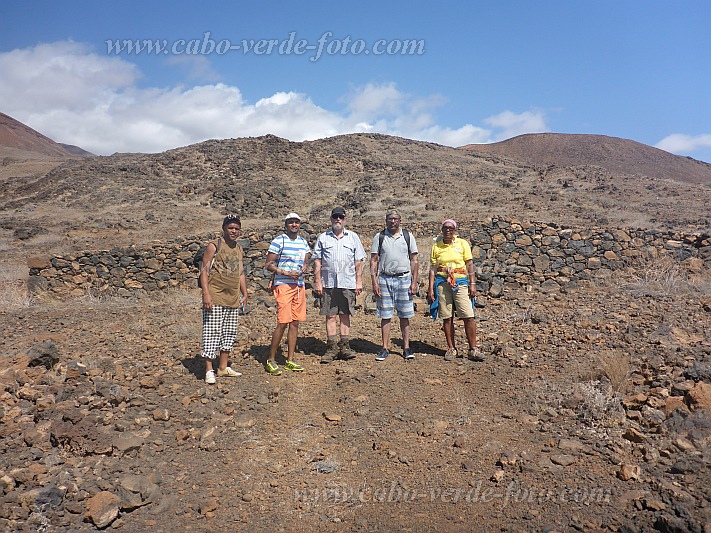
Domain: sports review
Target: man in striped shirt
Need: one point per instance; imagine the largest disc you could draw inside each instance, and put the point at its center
(288, 258)
(338, 278)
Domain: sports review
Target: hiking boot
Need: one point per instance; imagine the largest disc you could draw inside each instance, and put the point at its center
(210, 377)
(273, 368)
(476, 355)
(408, 354)
(228, 372)
(345, 352)
(331, 352)
(294, 367)
(382, 355)
(451, 354)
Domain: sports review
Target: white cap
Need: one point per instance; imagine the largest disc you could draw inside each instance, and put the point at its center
(292, 215)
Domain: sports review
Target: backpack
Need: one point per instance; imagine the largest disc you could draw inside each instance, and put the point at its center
(405, 234)
(197, 259)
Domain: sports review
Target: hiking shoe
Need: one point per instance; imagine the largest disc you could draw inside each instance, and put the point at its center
(408, 355)
(291, 365)
(451, 354)
(345, 351)
(228, 372)
(382, 355)
(273, 368)
(331, 352)
(210, 377)
(476, 355)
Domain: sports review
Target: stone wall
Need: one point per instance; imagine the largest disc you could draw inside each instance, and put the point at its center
(507, 253)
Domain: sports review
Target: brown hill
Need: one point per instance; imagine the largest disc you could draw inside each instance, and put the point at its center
(614, 154)
(187, 190)
(17, 136)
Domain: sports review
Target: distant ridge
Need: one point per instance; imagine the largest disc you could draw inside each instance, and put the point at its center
(612, 153)
(16, 135)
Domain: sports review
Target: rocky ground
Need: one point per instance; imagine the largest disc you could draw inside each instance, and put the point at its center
(592, 412)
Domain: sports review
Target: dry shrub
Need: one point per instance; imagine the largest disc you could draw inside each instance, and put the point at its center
(14, 295)
(615, 367)
(601, 388)
(662, 276)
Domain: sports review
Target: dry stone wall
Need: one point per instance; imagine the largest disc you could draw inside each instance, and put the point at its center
(507, 253)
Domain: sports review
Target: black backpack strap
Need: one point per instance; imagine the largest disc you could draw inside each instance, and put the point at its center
(380, 243)
(405, 234)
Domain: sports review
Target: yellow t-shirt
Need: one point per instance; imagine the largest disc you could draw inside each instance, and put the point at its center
(453, 255)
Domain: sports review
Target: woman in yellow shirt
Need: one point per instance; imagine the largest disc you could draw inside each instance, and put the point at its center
(452, 288)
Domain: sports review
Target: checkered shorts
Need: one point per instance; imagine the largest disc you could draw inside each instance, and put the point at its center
(395, 295)
(219, 330)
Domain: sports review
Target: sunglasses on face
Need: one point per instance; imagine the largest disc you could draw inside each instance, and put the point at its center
(339, 217)
(447, 228)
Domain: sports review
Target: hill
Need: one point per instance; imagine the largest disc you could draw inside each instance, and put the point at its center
(188, 189)
(614, 154)
(17, 136)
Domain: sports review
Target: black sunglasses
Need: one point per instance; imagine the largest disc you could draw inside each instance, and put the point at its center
(338, 216)
(448, 228)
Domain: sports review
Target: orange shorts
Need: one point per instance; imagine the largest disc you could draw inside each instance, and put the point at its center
(291, 303)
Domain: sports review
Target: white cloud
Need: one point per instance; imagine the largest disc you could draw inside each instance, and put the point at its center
(75, 96)
(679, 143)
(512, 124)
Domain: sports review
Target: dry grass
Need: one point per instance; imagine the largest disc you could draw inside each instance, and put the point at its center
(615, 366)
(662, 276)
(13, 289)
(602, 387)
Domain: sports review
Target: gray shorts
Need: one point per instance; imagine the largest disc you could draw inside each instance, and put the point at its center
(337, 302)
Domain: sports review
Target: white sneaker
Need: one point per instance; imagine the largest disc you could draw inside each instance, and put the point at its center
(228, 372)
(210, 377)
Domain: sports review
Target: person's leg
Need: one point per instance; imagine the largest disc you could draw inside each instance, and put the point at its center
(470, 330)
(230, 316)
(405, 330)
(385, 331)
(331, 326)
(210, 340)
(224, 356)
(405, 309)
(332, 339)
(276, 339)
(345, 328)
(344, 345)
(291, 337)
(448, 327)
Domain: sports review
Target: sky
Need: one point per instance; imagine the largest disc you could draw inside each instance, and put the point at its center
(448, 72)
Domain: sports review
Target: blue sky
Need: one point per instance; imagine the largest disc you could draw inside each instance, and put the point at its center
(475, 71)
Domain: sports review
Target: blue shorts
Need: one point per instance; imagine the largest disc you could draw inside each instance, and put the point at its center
(395, 295)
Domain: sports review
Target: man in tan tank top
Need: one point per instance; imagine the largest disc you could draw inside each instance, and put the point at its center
(224, 291)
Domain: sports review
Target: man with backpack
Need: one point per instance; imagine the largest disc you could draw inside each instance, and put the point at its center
(394, 269)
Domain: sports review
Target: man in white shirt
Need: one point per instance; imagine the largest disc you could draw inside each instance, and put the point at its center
(338, 279)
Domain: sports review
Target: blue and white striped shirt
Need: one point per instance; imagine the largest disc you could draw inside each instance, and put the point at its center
(290, 256)
(338, 258)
